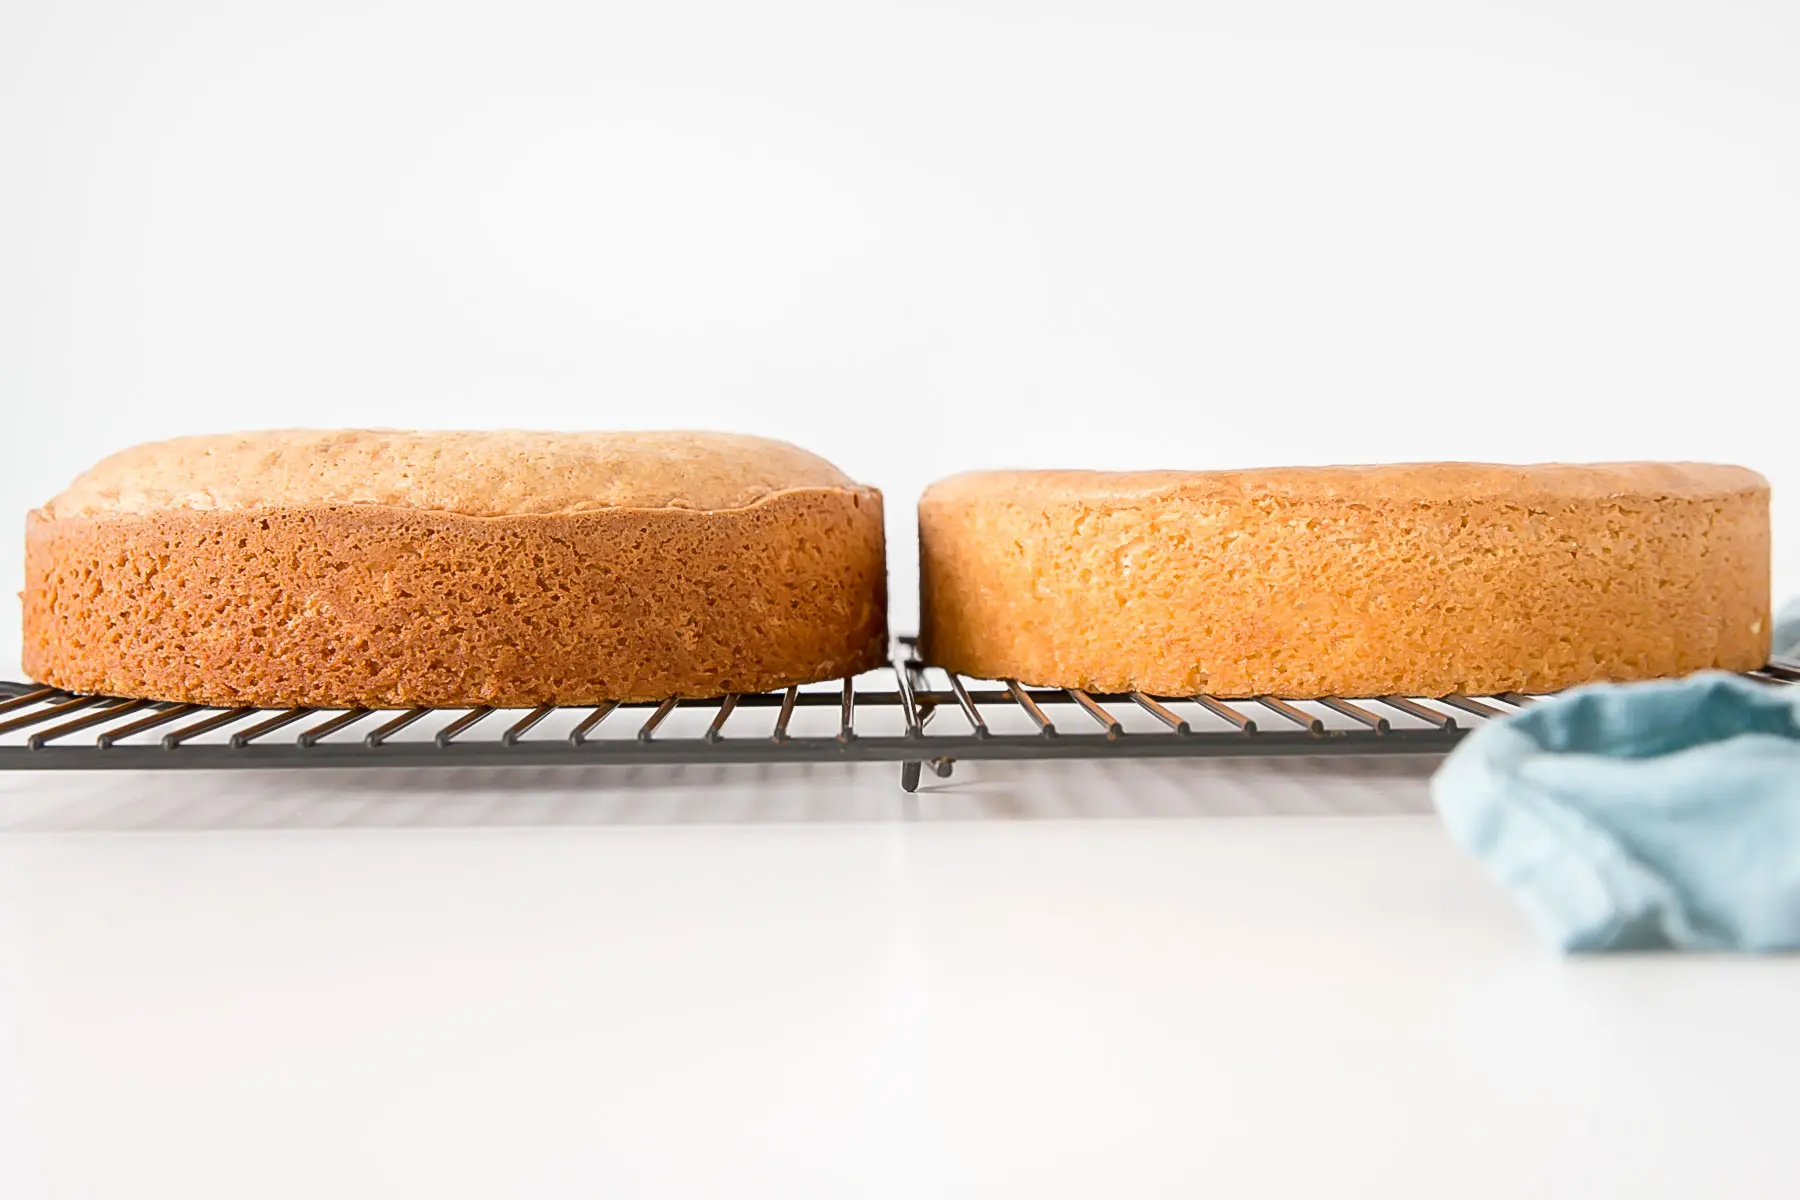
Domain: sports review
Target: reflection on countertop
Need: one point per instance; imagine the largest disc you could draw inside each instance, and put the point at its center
(463, 798)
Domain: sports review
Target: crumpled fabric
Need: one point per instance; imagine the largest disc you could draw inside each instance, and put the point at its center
(1641, 816)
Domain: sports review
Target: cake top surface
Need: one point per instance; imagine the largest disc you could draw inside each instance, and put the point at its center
(1398, 483)
(487, 474)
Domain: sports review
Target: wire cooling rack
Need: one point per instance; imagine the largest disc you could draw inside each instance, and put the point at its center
(909, 713)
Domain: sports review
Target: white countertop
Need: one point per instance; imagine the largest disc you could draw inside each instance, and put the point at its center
(1174, 979)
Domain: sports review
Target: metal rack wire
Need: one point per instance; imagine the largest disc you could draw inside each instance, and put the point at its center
(42, 728)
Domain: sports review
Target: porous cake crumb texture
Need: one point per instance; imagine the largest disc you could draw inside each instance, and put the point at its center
(325, 600)
(1417, 580)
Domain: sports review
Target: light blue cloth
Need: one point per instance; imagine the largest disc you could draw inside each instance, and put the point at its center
(1655, 815)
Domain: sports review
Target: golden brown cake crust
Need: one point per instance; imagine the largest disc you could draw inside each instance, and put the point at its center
(479, 473)
(1427, 579)
(338, 603)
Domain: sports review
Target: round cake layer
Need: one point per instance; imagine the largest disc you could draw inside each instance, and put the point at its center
(1430, 579)
(294, 592)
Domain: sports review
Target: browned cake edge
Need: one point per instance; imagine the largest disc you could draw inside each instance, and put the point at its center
(381, 606)
(1431, 580)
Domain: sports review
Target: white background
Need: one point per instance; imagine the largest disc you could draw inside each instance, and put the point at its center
(916, 239)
